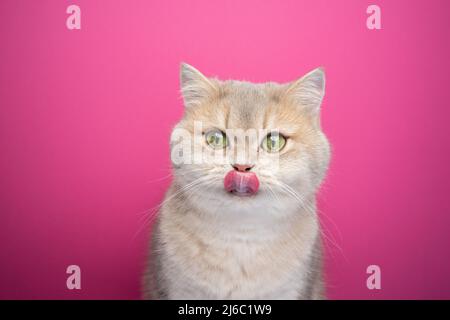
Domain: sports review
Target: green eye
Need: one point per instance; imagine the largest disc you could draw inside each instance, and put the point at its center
(273, 142)
(216, 139)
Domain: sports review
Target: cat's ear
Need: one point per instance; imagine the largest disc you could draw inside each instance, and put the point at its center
(195, 87)
(309, 90)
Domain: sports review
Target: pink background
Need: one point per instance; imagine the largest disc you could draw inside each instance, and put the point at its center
(85, 118)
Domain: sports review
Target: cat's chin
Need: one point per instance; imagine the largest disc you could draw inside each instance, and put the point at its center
(242, 194)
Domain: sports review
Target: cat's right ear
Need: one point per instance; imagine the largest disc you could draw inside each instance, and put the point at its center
(195, 87)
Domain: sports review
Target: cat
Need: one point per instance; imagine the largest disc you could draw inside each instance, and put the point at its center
(247, 228)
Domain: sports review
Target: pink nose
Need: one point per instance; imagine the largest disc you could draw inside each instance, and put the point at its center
(242, 167)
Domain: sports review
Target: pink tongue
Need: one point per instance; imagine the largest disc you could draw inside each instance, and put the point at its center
(241, 183)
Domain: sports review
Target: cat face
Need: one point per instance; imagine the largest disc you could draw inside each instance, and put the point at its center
(252, 147)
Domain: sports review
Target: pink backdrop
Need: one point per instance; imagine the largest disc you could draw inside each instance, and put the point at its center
(85, 117)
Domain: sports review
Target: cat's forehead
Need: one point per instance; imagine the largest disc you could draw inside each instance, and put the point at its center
(247, 103)
(248, 92)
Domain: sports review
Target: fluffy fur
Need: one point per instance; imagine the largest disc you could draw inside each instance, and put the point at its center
(209, 244)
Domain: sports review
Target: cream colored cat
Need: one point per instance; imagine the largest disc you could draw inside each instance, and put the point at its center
(245, 228)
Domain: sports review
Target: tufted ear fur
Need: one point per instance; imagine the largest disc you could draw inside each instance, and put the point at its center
(195, 87)
(309, 90)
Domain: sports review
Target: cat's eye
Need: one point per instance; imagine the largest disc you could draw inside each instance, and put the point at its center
(216, 139)
(273, 142)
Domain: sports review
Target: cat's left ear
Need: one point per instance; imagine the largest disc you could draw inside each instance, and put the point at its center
(309, 90)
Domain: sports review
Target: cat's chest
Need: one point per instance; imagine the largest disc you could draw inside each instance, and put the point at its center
(241, 266)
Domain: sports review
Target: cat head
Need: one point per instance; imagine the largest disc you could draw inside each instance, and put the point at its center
(245, 147)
